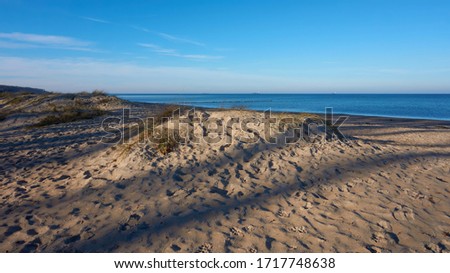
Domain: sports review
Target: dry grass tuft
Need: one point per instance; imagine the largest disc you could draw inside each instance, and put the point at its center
(168, 142)
(97, 93)
(70, 114)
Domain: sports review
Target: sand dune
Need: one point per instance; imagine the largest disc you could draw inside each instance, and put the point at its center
(385, 189)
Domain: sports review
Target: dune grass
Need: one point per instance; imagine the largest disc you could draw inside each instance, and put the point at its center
(17, 100)
(6, 95)
(70, 114)
(166, 141)
(97, 93)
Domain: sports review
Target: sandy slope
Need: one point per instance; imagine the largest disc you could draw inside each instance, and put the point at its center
(384, 190)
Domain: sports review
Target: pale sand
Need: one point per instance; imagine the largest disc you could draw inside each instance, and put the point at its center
(385, 190)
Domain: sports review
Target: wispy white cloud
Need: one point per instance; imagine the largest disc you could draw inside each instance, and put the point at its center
(141, 28)
(95, 20)
(14, 45)
(43, 39)
(169, 37)
(175, 53)
(28, 40)
(179, 40)
(158, 49)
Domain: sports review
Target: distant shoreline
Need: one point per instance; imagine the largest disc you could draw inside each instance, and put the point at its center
(398, 106)
(374, 118)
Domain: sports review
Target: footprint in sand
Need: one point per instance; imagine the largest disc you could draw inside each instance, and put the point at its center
(133, 221)
(374, 249)
(403, 213)
(436, 248)
(75, 212)
(384, 225)
(249, 228)
(385, 238)
(301, 229)
(175, 247)
(236, 232)
(32, 232)
(87, 175)
(87, 233)
(269, 241)
(414, 194)
(31, 246)
(72, 239)
(205, 248)
(11, 230)
(378, 237)
(308, 205)
(283, 214)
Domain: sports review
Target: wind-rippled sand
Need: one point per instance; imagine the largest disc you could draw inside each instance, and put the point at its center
(384, 190)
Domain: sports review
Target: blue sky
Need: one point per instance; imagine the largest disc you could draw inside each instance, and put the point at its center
(227, 46)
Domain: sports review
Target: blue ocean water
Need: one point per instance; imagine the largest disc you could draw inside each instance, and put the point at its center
(423, 106)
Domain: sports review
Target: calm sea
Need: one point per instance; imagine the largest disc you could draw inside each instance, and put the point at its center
(425, 106)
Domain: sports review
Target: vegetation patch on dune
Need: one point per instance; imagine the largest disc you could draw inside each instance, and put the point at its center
(70, 115)
(47, 108)
(166, 140)
(97, 93)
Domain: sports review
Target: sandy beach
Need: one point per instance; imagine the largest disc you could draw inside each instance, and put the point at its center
(384, 188)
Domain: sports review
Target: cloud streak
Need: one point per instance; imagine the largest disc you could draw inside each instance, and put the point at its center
(180, 40)
(95, 20)
(28, 40)
(170, 37)
(141, 28)
(175, 53)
